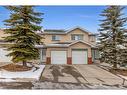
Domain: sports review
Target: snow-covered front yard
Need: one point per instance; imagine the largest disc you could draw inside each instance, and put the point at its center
(7, 76)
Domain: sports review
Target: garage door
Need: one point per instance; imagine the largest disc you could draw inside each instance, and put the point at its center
(79, 56)
(58, 57)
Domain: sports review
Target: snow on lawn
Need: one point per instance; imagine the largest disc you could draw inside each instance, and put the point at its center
(9, 76)
(8, 80)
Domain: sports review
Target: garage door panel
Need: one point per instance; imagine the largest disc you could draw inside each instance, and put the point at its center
(58, 57)
(79, 57)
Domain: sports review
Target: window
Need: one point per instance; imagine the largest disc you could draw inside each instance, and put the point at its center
(55, 37)
(77, 37)
(97, 54)
(92, 38)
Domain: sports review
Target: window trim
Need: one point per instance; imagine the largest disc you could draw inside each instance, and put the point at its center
(55, 38)
(73, 35)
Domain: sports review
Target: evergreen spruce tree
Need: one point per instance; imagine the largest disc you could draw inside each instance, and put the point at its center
(123, 58)
(111, 34)
(22, 25)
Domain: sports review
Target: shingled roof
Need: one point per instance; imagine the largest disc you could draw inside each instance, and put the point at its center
(54, 31)
(61, 31)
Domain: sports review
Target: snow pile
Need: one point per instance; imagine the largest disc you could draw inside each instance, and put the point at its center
(121, 47)
(10, 76)
(70, 86)
(7, 80)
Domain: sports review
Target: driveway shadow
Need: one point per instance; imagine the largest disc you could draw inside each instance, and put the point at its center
(59, 70)
(55, 72)
(72, 71)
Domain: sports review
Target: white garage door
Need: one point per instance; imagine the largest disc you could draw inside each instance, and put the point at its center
(79, 57)
(3, 57)
(58, 57)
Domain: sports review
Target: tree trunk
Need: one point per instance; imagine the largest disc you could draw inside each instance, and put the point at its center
(115, 66)
(24, 64)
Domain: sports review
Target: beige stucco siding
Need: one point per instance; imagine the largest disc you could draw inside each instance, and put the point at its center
(69, 49)
(48, 39)
(79, 46)
(92, 39)
(67, 37)
(48, 52)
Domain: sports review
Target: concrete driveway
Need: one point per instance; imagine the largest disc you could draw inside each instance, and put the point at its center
(96, 75)
(91, 74)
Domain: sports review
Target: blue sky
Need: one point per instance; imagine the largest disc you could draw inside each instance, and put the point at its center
(66, 17)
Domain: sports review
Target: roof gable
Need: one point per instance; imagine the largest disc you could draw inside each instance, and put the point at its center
(81, 42)
(84, 30)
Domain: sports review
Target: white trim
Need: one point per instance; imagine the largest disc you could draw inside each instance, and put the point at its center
(81, 42)
(39, 46)
(56, 45)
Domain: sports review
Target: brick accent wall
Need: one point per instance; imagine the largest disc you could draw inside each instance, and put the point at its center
(48, 60)
(69, 60)
(89, 60)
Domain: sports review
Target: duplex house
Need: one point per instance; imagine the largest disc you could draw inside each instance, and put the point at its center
(73, 46)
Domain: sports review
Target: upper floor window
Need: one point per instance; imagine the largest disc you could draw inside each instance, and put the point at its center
(92, 38)
(55, 37)
(76, 37)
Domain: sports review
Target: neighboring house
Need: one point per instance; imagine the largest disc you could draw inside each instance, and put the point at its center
(74, 46)
(3, 51)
